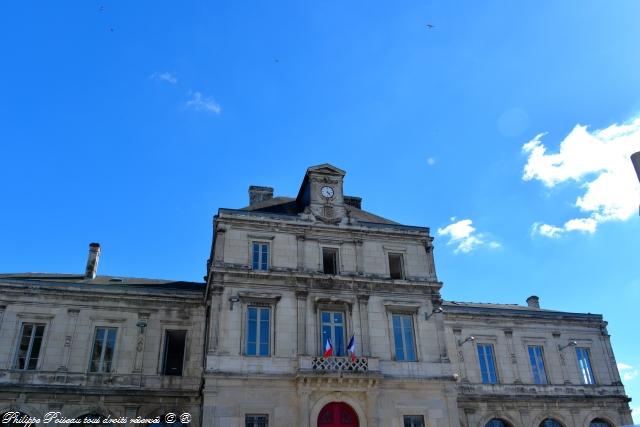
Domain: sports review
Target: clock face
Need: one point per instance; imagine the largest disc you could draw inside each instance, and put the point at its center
(326, 191)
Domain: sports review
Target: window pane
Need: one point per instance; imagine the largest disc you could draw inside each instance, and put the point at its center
(252, 330)
(487, 367)
(265, 257)
(397, 337)
(584, 365)
(537, 365)
(326, 317)
(339, 341)
(256, 256)
(395, 266)
(264, 332)
(109, 349)
(97, 350)
(174, 352)
(408, 338)
(329, 260)
(413, 421)
(35, 351)
(23, 348)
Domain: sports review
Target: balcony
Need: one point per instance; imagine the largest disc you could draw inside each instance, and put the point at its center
(331, 364)
(361, 373)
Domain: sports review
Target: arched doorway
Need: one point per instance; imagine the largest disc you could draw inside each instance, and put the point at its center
(337, 414)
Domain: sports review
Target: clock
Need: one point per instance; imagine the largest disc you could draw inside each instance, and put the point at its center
(326, 192)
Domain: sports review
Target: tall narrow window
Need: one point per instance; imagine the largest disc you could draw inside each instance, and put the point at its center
(260, 256)
(487, 364)
(403, 337)
(29, 346)
(174, 344)
(256, 420)
(333, 328)
(104, 344)
(258, 331)
(537, 364)
(413, 421)
(396, 268)
(584, 366)
(330, 260)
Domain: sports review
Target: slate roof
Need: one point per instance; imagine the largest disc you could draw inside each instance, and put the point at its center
(288, 205)
(511, 309)
(101, 281)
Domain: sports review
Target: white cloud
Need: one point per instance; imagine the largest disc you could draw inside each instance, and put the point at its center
(598, 161)
(464, 236)
(199, 102)
(431, 161)
(166, 77)
(628, 372)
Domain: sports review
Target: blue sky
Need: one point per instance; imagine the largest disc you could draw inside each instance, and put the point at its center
(504, 128)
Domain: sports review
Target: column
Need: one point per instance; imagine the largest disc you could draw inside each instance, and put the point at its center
(214, 317)
(301, 243)
(301, 298)
(70, 333)
(363, 310)
(140, 340)
(508, 335)
(219, 245)
(359, 257)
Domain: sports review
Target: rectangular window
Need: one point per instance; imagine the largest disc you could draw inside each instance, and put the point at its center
(584, 366)
(104, 344)
(260, 256)
(333, 327)
(29, 346)
(258, 331)
(413, 421)
(330, 260)
(403, 337)
(256, 421)
(396, 270)
(174, 344)
(537, 364)
(487, 364)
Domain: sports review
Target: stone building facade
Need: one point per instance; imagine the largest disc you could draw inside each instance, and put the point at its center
(288, 280)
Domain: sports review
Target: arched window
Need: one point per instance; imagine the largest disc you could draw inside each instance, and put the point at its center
(497, 422)
(15, 419)
(599, 422)
(550, 422)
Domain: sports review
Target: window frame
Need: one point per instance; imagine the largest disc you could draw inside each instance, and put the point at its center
(258, 307)
(35, 324)
(493, 362)
(100, 369)
(345, 329)
(254, 423)
(260, 243)
(165, 349)
(537, 367)
(419, 417)
(581, 373)
(336, 261)
(254, 299)
(401, 316)
(400, 255)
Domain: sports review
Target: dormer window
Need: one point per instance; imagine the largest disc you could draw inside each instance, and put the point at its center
(396, 267)
(330, 260)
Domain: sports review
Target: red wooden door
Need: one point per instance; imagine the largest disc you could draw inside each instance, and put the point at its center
(337, 414)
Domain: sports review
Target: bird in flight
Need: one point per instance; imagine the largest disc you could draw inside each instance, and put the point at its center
(430, 26)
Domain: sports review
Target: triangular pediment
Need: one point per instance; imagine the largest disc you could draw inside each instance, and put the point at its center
(327, 169)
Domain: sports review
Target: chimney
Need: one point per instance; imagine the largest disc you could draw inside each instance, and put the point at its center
(533, 301)
(92, 261)
(354, 201)
(259, 194)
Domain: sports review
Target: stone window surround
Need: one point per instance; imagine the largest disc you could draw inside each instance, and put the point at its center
(541, 342)
(330, 245)
(23, 318)
(493, 341)
(255, 299)
(343, 305)
(172, 325)
(406, 308)
(260, 238)
(104, 322)
(402, 250)
(588, 345)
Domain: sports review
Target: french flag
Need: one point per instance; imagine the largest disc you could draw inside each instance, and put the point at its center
(351, 348)
(328, 348)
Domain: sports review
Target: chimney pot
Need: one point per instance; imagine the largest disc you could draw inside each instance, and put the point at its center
(533, 301)
(92, 261)
(259, 194)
